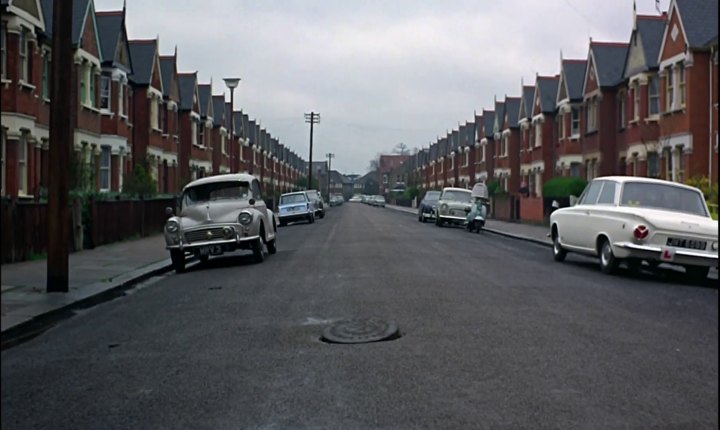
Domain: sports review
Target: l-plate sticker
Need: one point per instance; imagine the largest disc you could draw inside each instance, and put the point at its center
(667, 254)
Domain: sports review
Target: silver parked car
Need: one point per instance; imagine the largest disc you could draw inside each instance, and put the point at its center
(219, 214)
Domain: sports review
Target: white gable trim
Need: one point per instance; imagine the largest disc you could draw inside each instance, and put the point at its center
(671, 12)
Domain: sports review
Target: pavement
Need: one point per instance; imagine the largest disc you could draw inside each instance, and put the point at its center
(105, 272)
(528, 232)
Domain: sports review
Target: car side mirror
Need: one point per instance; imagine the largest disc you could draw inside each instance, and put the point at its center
(169, 211)
(252, 202)
(573, 200)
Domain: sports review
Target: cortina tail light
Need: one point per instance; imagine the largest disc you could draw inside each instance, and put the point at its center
(641, 232)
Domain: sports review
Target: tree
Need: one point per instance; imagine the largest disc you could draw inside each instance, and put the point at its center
(374, 163)
(302, 181)
(140, 183)
(401, 149)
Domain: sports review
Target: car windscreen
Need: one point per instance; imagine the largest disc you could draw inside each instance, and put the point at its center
(457, 196)
(432, 196)
(292, 198)
(661, 196)
(214, 191)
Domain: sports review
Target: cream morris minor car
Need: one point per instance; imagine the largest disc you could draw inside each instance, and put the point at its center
(631, 219)
(453, 206)
(219, 214)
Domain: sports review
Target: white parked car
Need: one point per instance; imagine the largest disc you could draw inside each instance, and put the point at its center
(630, 219)
(453, 206)
(219, 214)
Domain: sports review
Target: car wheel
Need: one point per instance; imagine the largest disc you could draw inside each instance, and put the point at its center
(608, 262)
(178, 260)
(420, 217)
(311, 218)
(272, 246)
(437, 221)
(697, 273)
(559, 253)
(258, 251)
(322, 214)
(283, 223)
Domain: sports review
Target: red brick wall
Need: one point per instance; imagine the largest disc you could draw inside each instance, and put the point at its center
(531, 209)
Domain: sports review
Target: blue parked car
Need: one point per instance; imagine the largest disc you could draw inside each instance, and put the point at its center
(426, 208)
(295, 207)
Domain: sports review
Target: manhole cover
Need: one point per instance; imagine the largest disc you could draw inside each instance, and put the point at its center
(361, 331)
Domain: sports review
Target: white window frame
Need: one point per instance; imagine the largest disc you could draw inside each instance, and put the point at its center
(591, 116)
(670, 89)
(452, 162)
(636, 102)
(154, 113)
(22, 165)
(575, 122)
(562, 125)
(105, 170)
(23, 56)
(467, 158)
(3, 51)
(681, 80)
(623, 107)
(105, 92)
(655, 96)
(483, 153)
(223, 144)
(121, 98)
(538, 134)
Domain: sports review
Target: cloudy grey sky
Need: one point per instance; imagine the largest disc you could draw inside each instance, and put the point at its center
(379, 72)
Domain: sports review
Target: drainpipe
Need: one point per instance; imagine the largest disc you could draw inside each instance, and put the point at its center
(710, 109)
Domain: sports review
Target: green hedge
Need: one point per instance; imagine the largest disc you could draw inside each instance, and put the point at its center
(564, 186)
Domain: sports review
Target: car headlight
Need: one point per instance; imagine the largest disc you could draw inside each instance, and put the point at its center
(714, 246)
(443, 208)
(228, 232)
(245, 218)
(172, 226)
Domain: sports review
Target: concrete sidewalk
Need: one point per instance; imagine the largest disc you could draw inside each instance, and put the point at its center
(528, 232)
(95, 275)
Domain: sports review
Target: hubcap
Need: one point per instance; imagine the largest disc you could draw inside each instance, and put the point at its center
(605, 254)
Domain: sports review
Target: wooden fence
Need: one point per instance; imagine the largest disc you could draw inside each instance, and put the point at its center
(24, 224)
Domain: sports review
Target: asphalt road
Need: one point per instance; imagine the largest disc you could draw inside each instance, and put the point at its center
(494, 335)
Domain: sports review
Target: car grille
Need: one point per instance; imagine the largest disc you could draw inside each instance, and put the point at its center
(206, 235)
(687, 243)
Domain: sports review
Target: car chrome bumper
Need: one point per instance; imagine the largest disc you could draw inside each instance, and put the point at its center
(452, 218)
(681, 256)
(294, 216)
(194, 245)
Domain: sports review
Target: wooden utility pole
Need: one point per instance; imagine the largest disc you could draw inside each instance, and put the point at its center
(62, 97)
(312, 118)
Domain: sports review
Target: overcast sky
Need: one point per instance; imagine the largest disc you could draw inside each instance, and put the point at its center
(379, 72)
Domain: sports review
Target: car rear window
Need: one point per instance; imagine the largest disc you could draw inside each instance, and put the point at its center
(292, 198)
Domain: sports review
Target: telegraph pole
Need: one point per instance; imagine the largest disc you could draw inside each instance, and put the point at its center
(312, 118)
(61, 143)
(329, 156)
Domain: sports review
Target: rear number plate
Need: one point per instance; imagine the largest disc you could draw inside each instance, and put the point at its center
(211, 250)
(687, 243)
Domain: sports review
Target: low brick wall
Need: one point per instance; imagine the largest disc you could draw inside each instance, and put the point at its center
(504, 207)
(532, 209)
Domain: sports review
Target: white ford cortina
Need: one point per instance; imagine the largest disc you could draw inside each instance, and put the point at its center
(631, 219)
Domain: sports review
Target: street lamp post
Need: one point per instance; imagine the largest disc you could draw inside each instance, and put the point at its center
(232, 83)
(329, 156)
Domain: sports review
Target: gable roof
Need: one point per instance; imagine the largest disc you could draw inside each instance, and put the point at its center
(251, 132)
(645, 43)
(79, 13)
(204, 91)
(548, 86)
(526, 103)
(167, 67)
(699, 20)
(218, 103)
(142, 55)
(187, 82)
(574, 77)
(489, 117)
(110, 26)
(512, 109)
(609, 59)
(499, 115)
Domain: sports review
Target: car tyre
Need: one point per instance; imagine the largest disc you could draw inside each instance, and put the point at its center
(559, 253)
(311, 218)
(272, 246)
(322, 214)
(283, 223)
(258, 250)
(697, 273)
(438, 222)
(608, 262)
(178, 260)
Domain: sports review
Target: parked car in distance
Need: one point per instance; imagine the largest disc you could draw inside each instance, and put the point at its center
(428, 205)
(453, 206)
(317, 202)
(631, 220)
(378, 201)
(219, 214)
(355, 199)
(295, 207)
(336, 200)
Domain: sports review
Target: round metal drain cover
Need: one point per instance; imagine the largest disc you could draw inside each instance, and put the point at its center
(361, 331)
